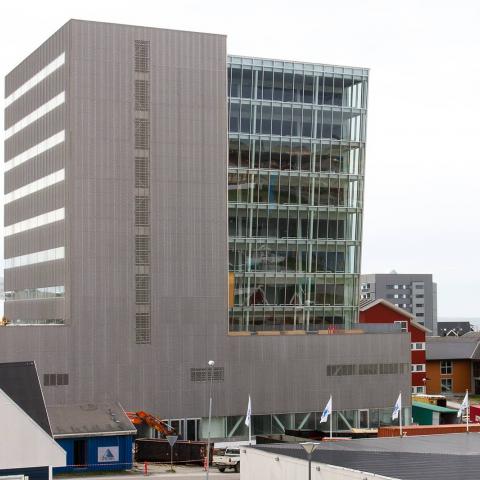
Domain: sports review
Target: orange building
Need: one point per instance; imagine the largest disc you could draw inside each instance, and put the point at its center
(453, 365)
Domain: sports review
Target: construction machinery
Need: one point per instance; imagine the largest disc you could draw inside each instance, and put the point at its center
(141, 417)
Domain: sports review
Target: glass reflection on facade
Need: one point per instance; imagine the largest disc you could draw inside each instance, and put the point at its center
(295, 193)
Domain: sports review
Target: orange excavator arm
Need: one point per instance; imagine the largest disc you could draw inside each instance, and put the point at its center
(140, 417)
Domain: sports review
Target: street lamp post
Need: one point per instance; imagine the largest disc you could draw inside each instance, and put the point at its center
(211, 363)
(309, 447)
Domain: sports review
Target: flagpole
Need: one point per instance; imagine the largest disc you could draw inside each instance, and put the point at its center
(400, 414)
(331, 419)
(250, 424)
(468, 410)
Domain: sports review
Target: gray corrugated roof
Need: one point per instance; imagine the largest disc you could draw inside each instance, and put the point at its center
(408, 458)
(89, 420)
(445, 348)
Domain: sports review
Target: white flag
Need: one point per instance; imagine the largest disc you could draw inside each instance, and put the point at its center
(463, 406)
(249, 412)
(327, 411)
(397, 407)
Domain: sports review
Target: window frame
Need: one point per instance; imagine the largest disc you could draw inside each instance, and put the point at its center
(446, 365)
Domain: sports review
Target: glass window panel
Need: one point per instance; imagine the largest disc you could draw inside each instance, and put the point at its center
(288, 87)
(235, 79)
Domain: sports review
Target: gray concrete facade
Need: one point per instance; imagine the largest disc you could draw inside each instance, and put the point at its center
(94, 341)
(415, 293)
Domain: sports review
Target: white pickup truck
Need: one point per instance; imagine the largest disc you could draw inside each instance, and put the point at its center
(229, 459)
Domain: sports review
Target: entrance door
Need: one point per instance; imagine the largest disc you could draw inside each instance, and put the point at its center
(79, 453)
(363, 419)
(192, 429)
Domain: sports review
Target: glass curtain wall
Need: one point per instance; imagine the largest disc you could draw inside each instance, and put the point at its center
(295, 193)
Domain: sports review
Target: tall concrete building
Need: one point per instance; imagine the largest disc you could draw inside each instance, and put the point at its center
(166, 205)
(415, 293)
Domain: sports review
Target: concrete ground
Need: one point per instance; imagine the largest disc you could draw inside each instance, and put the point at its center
(182, 472)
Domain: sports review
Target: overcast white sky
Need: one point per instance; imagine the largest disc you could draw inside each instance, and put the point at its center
(423, 167)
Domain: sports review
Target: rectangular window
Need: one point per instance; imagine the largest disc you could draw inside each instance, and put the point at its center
(142, 250)
(36, 79)
(446, 367)
(418, 367)
(142, 211)
(142, 56)
(35, 186)
(204, 374)
(35, 115)
(419, 314)
(36, 257)
(446, 384)
(403, 325)
(55, 379)
(420, 296)
(340, 370)
(388, 368)
(35, 222)
(368, 369)
(418, 346)
(142, 95)
(142, 172)
(142, 289)
(142, 328)
(417, 389)
(142, 133)
(36, 150)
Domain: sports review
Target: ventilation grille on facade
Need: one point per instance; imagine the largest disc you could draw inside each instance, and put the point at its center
(142, 133)
(142, 289)
(142, 328)
(142, 172)
(142, 95)
(142, 211)
(142, 250)
(202, 374)
(55, 379)
(142, 56)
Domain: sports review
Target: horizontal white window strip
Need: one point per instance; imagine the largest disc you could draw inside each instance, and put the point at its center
(36, 257)
(36, 79)
(35, 186)
(34, 222)
(35, 115)
(35, 150)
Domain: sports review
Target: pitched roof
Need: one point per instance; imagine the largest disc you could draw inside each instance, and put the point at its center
(453, 348)
(434, 408)
(19, 380)
(460, 327)
(90, 420)
(408, 458)
(24, 442)
(381, 301)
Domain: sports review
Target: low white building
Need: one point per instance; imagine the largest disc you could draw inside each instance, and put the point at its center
(426, 457)
(264, 465)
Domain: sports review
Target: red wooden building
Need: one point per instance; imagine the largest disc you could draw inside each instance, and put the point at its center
(382, 311)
